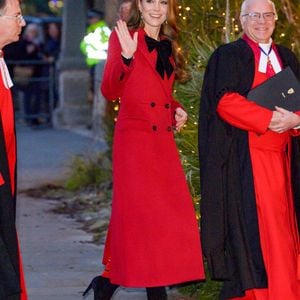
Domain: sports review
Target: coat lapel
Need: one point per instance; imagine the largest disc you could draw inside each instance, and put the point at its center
(143, 50)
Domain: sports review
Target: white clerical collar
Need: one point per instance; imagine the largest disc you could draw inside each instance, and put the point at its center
(4, 72)
(268, 56)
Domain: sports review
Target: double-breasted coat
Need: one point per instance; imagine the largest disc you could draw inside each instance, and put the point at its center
(153, 237)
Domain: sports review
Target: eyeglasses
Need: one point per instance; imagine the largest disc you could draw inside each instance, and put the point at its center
(19, 18)
(255, 16)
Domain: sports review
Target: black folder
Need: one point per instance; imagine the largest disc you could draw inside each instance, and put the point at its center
(283, 90)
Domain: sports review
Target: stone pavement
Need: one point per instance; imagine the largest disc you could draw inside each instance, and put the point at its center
(58, 257)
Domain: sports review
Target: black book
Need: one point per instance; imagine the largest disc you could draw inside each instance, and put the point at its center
(283, 90)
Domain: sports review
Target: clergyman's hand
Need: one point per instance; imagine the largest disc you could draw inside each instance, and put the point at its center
(283, 120)
(128, 44)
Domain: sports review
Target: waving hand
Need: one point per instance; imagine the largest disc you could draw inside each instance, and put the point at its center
(128, 44)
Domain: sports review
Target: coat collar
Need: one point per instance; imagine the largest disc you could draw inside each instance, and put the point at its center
(143, 50)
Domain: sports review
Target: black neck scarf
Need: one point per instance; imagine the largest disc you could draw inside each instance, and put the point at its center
(164, 51)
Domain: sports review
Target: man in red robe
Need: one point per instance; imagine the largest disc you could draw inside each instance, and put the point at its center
(250, 168)
(12, 286)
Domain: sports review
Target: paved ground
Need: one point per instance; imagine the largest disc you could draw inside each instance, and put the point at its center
(45, 154)
(59, 258)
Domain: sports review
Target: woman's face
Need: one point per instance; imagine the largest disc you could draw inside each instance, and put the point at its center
(154, 12)
(53, 30)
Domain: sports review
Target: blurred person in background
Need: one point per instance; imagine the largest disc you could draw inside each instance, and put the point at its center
(51, 53)
(94, 45)
(52, 42)
(31, 45)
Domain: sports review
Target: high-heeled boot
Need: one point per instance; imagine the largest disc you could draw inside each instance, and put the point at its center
(103, 288)
(156, 293)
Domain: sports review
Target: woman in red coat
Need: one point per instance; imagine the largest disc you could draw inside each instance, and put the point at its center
(153, 239)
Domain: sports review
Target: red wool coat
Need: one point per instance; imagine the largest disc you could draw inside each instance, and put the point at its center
(153, 236)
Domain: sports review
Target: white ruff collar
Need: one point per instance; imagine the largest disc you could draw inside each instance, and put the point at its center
(4, 72)
(268, 55)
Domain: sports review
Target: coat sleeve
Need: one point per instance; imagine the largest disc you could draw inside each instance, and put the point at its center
(244, 114)
(115, 70)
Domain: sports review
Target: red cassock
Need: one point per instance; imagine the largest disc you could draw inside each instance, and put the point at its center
(153, 237)
(270, 159)
(12, 285)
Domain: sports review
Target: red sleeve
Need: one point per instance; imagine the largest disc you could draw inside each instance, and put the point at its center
(1, 179)
(175, 104)
(115, 70)
(244, 114)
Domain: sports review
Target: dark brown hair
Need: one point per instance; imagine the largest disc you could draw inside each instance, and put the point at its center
(2, 4)
(169, 30)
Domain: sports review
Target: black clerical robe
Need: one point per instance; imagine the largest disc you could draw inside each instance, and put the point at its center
(229, 223)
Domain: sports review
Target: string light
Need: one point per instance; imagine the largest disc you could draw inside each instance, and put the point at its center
(53, 4)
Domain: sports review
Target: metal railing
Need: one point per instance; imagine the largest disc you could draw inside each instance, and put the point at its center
(34, 90)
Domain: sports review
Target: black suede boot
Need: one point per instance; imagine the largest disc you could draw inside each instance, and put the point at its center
(103, 288)
(156, 293)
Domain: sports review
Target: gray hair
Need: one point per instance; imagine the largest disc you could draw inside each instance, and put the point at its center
(3, 4)
(246, 3)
